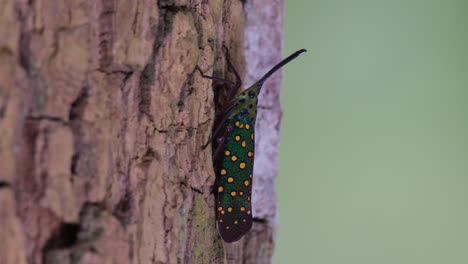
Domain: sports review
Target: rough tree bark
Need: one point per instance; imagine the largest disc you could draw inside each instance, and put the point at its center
(102, 119)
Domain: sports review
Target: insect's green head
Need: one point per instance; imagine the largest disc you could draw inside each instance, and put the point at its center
(246, 102)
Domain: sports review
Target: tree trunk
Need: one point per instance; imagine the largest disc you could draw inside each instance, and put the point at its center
(102, 119)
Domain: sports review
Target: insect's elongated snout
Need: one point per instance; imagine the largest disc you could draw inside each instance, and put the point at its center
(279, 65)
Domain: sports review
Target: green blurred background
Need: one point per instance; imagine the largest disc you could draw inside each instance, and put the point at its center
(374, 141)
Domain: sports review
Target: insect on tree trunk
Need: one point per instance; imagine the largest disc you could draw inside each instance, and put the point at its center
(102, 122)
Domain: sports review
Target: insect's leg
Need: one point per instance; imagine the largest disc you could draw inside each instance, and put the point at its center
(215, 133)
(235, 87)
(218, 129)
(228, 82)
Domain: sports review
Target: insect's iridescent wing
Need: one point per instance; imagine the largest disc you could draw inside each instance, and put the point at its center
(234, 173)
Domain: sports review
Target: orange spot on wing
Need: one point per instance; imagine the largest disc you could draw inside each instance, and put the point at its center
(237, 138)
(223, 171)
(234, 158)
(233, 193)
(243, 144)
(242, 165)
(220, 189)
(230, 179)
(246, 183)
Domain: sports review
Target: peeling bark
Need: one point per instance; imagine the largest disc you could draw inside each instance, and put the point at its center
(102, 118)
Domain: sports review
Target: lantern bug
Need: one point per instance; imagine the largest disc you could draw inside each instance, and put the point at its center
(233, 143)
